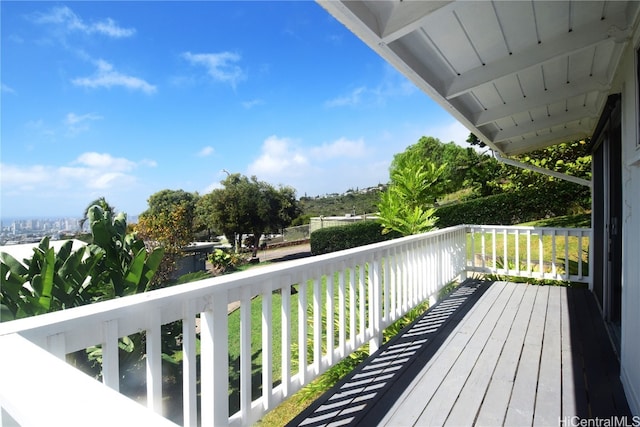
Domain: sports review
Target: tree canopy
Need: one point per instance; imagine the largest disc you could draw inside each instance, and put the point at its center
(169, 223)
(247, 206)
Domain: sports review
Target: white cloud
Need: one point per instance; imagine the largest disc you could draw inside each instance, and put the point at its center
(148, 162)
(90, 171)
(314, 170)
(340, 148)
(252, 103)
(206, 151)
(279, 157)
(350, 99)
(392, 85)
(70, 21)
(213, 186)
(105, 161)
(221, 66)
(7, 89)
(452, 131)
(106, 76)
(79, 123)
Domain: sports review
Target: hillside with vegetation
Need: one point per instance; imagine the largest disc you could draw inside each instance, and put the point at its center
(353, 202)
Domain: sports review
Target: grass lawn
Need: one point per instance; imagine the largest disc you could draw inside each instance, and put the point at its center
(276, 338)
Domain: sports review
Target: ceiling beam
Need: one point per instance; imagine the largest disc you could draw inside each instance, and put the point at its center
(551, 96)
(539, 125)
(537, 142)
(399, 26)
(575, 41)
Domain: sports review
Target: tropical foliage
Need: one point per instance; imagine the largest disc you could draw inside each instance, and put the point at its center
(415, 186)
(115, 264)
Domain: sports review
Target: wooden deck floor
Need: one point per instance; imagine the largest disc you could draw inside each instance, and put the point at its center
(489, 354)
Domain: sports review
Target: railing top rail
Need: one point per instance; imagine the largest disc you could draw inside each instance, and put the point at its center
(529, 228)
(134, 306)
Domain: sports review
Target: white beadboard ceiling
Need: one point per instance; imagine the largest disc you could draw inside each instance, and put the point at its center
(522, 75)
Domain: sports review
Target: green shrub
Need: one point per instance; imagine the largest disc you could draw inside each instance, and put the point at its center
(334, 239)
(517, 207)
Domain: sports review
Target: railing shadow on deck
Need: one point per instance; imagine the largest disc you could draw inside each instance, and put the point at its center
(365, 395)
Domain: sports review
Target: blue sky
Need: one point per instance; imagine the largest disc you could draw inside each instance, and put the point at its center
(124, 99)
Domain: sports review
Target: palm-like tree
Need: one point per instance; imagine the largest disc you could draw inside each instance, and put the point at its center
(102, 202)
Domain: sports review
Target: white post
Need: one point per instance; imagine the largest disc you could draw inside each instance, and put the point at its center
(189, 389)
(214, 357)
(154, 362)
(267, 346)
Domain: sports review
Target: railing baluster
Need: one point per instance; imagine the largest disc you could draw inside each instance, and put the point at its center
(517, 248)
(267, 346)
(302, 331)
(493, 249)
(411, 269)
(393, 285)
(329, 303)
(541, 253)
(505, 258)
(353, 301)
(110, 362)
(189, 380)
(285, 316)
(553, 255)
(566, 254)
(342, 315)
(317, 325)
(422, 268)
(154, 362)
(473, 247)
(56, 346)
(245, 352)
(484, 252)
(375, 306)
(529, 271)
(580, 257)
(214, 362)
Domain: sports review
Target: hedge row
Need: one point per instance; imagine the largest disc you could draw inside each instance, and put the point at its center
(515, 208)
(333, 239)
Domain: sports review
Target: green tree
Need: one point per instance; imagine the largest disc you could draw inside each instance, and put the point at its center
(453, 157)
(572, 158)
(247, 206)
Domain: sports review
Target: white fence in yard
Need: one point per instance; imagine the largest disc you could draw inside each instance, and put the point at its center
(361, 290)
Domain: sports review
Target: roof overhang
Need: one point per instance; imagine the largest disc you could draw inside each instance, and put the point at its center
(520, 75)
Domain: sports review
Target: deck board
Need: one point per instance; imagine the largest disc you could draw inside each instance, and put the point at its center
(548, 409)
(471, 396)
(490, 354)
(522, 402)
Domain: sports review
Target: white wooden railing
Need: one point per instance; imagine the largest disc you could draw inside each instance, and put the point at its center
(532, 252)
(368, 288)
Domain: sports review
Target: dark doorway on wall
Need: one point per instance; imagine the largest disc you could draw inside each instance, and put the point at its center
(607, 216)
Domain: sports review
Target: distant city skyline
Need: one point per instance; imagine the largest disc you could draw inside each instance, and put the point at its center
(124, 99)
